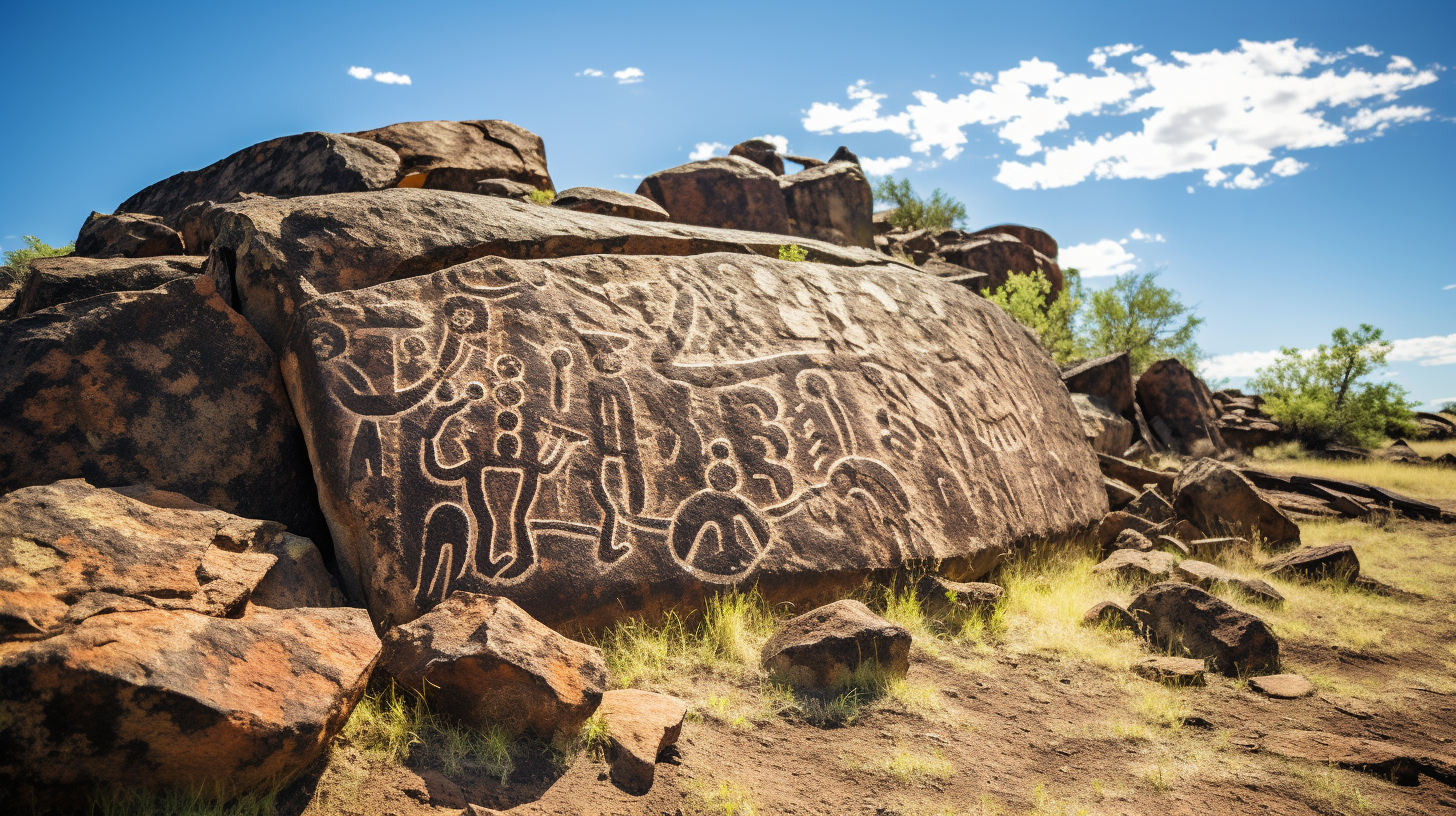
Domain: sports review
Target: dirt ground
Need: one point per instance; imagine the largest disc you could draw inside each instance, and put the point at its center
(1013, 726)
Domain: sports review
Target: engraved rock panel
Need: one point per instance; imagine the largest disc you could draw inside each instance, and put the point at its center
(599, 436)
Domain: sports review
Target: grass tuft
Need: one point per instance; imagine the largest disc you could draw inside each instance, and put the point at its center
(391, 724)
(914, 769)
(727, 799)
(542, 196)
(142, 802)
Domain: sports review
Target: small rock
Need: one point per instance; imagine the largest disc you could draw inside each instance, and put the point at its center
(1260, 590)
(609, 202)
(1202, 574)
(1137, 567)
(1182, 616)
(1132, 540)
(1215, 547)
(1117, 521)
(640, 726)
(821, 649)
(1336, 562)
(1152, 506)
(1282, 686)
(1119, 494)
(1110, 614)
(1171, 671)
(940, 595)
(1181, 529)
(1172, 544)
(504, 188)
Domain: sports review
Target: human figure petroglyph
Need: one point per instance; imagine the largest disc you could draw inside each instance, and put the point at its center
(716, 531)
(750, 415)
(614, 438)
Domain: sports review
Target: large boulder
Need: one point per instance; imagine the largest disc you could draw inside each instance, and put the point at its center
(827, 648)
(484, 661)
(1039, 240)
(53, 281)
(999, 255)
(271, 255)
(1107, 377)
(832, 203)
(169, 387)
(305, 164)
(609, 202)
(126, 235)
(600, 436)
(1219, 499)
(1105, 430)
(1179, 408)
(1179, 617)
(443, 155)
(761, 153)
(729, 192)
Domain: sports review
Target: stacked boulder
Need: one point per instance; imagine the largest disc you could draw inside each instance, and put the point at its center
(980, 260)
(1242, 422)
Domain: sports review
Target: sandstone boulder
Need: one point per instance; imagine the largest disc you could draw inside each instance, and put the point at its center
(168, 387)
(1183, 618)
(1282, 686)
(1336, 562)
(761, 153)
(1179, 408)
(730, 192)
(53, 281)
(641, 725)
(823, 649)
(1107, 377)
(484, 661)
(609, 202)
(1137, 566)
(600, 436)
(456, 155)
(1171, 671)
(126, 235)
(1219, 499)
(832, 203)
(1108, 432)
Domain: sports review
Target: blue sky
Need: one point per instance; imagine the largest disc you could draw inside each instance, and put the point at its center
(1343, 216)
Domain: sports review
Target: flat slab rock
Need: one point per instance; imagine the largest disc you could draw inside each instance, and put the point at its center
(1183, 617)
(1334, 561)
(1218, 499)
(1138, 565)
(53, 281)
(823, 648)
(640, 726)
(1172, 671)
(600, 436)
(1282, 686)
(1400, 763)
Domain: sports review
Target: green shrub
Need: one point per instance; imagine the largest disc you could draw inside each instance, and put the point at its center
(793, 252)
(938, 212)
(1024, 297)
(1324, 398)
(17, 261)
(1146, 320)
(542, 196)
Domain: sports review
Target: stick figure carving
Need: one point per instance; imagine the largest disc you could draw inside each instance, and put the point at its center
(613, 436)
(716, 531)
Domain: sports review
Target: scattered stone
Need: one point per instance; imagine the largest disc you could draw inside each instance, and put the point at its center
(609, 202)
(1336, 562)
(1217, 497)
(1202, 574)
(1174, 398)
(484, 661)
(761, 153)
(1217, 547)
(833, 203)
(1108, 432)
(1172, 544)
(1181, 529)
(1135, 474)
(1115, 522)
(1282, 686)
(1118, 494)
(54, 281)
(1109, 378)
(1401, 451)
(1400, 763)
(505, 188)
(126, 235)
(1151, 505)
(1110, 614)
(1137, 566)
(1171, 671)
(730, 192)
(456, 155)
(640, 726)
(823, 649)
(941, 595)
(1259, 590)
(1185, 618)
(1445, 460)
(1131, 539)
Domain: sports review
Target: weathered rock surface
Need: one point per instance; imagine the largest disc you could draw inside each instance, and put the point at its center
(126, 235)
(1400, 763)
(1282, 686)
(168, 387)
(1401, 451)
(1151, 505)
(1184, 618)
(609, 202)
(483, 660)
(1135, 474)
(1219, 499)
(1108, 432)
(301, 165)
(1436, 426)
(53, 281)
(1206, 576)
(1215, 547)
(832, 203)
(273, 254)
(1336, 562)
(730, 192)
(1179, 408)
(180, 699)
(999, 254)
(940, 594)
(1112, 525)
(1039, 240)
(1171, 671)
(1137, 566)
(640, 726)
(505, 188)
(1130, 539)
(823, 648)
(1107, 377)
(1111, 614)
(600, 436)
(444, 155)
(1119, 494)
(761, 153)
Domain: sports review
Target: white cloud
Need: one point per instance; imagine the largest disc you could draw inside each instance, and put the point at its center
(1448, 286)
(391, 78)
(1439, 403)
(589, 72)
(1197, 112)
(1100, 55)
(1139, 235)
(1400, 64)
(360, 73)
(630, 176)
(884, 167)
(1240, 364)
(780, 143)
(706, 150)
(1367, 50)
(629, 76)
(979, 77)
(1288, 167)
(1428, 351)
(1106, 257)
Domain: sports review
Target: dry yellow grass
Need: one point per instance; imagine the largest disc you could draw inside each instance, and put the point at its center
(1418, 481)
(1434, 447)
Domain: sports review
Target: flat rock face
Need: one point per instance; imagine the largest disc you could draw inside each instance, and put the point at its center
(1185, 618)
(1108, 432)
(832, 203)
(126, 236)
(169, 387)
(593, 437)
(823, 648)
(1180, 409)
(640, 726)
(180, 699)
(729, 192)
(1172, 671)
(53, 281)
(1283, 686)
(443, 155)
(305, 164)
(274, 254)
(1334, 561)
(1217, 498)
(609, 202)
(1107, 377)
(482, 660)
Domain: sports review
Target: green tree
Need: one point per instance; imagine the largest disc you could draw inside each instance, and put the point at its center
(938, 212)
(1324, 396)
(1024, 297)
(17, 261)
(1146, 320)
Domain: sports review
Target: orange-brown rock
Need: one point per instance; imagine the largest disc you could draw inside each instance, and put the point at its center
(53, 281)
(126, 235)
(832, 203)
(1000, 254)
(483, 660)
(761, 153)
(823, 649)
(169, 387)
(600, 436)
(730, 192)
(1218, 499)
(442, 155)
(1180, 410)
(609, 202)
(1181, 616)
(1107, 377)
(640, 726)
